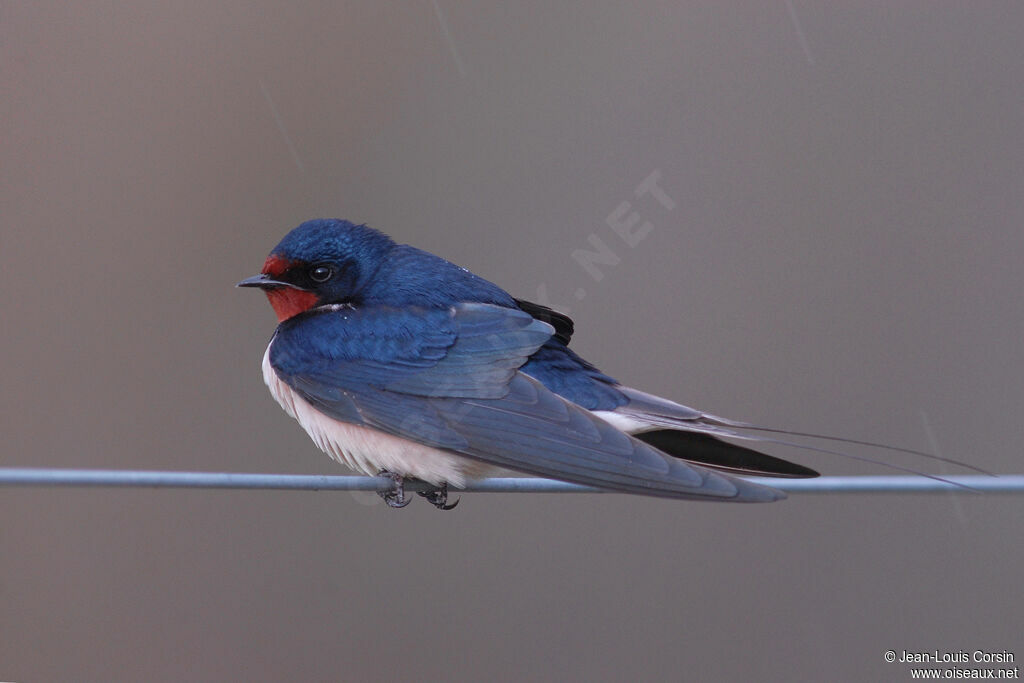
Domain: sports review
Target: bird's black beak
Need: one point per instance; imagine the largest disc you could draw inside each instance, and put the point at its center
(264, 281)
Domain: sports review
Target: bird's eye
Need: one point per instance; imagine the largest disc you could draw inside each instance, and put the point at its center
(320, 273)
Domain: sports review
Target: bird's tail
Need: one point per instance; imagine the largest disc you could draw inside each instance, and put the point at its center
(696, 436)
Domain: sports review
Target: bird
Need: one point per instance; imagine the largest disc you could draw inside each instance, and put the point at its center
(399, 363)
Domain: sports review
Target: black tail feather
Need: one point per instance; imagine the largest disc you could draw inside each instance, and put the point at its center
(704, 449)
(842, 439)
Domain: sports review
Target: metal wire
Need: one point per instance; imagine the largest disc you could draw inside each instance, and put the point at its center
(26, 476)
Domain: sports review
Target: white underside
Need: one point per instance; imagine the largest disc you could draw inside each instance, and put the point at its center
(368, 450)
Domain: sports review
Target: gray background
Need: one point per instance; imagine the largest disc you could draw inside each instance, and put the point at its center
(844, 256)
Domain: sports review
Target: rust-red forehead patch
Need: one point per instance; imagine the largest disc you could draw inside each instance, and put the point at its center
(276, 265)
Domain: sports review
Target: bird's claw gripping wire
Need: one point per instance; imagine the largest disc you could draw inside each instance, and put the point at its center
(439, 497)
(394, 497)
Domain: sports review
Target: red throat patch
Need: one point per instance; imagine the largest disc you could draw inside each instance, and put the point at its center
(288, 302)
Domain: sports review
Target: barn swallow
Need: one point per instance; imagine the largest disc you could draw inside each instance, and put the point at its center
(398, 362)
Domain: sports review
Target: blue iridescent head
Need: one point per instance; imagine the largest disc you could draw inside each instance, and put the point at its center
(323, 261)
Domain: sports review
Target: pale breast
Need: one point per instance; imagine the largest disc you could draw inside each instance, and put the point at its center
(368, 450)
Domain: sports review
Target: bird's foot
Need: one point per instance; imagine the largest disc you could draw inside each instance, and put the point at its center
(395, 497)
(439, 497)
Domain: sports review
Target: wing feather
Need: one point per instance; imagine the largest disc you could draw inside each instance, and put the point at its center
(449, 379)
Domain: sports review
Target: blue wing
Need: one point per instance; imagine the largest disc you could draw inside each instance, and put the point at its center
(449, 378)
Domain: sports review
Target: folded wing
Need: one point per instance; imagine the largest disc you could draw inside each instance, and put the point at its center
(450, 379)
